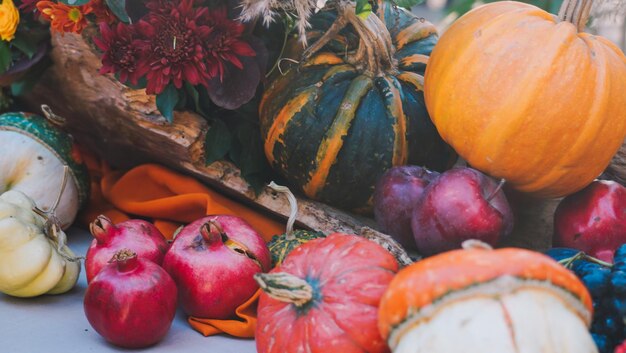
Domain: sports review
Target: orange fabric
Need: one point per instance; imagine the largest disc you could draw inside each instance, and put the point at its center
(171, 200)
(237, 328)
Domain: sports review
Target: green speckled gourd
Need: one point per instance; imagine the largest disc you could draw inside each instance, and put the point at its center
(354, 106)
(281, 245)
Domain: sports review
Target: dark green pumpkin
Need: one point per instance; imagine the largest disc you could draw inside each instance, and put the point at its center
(281, 245)
(333, 128)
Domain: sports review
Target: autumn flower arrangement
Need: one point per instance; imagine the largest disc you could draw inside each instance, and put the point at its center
(198, 55)
(24, 41)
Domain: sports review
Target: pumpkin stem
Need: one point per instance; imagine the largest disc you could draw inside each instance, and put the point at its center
(51, 116)
(471, 244)
(375, 46)
(375, 51)
(66, 172)
(285, 287)
(497, 189)
(339, 24)
(576, 12)
(293, 204)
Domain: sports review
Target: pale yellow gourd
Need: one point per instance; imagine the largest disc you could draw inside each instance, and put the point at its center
(34, 259)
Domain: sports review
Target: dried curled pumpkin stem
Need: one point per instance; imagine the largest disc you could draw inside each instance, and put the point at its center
(285, 287)
(293, 205)
(375, 50)
(576, 12)
(51, 116)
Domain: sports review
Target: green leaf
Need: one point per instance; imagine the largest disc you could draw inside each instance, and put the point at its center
(118, 7)
(74, 2)
(218, 142)
(407, 4)
(363, 8)
(166, 101)
(251, 157)
(28, 81)
(5, 57)
(195, 96)
(25, 44)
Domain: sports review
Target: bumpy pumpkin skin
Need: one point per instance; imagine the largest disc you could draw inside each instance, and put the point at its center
(349, 275)
(332, 130)
(524, 97)
(281, 245)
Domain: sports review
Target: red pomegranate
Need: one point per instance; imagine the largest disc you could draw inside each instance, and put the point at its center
(141, 236)
(131, 302)
(213, 261)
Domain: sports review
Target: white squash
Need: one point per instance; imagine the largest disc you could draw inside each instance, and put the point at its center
(487, 301)
(34, 259)
(33, 154)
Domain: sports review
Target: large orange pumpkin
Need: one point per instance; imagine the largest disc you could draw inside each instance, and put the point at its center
(526, 96)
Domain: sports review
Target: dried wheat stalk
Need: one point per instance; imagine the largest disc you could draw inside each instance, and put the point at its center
(268, 10)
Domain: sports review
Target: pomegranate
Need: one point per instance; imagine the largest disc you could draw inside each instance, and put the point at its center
(592, 220)
(131, 302)
(139, 235)
(213, 261)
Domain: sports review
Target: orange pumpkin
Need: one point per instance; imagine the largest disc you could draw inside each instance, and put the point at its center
(487, 301)
(526, 96)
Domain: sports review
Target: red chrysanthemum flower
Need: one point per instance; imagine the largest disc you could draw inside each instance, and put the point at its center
(162, 7)
(174, 43)
(122, 52)
(225, 44)
(64, 18)
(102, 12)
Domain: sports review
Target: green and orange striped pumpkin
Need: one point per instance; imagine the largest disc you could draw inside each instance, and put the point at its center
(333, 128)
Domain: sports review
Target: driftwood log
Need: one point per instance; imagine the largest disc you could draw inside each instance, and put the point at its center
(124, 127)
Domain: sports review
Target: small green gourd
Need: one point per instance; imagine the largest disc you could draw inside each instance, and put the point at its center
(281, 245)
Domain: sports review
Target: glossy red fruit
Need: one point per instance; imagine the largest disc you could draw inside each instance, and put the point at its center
(213, 261)
(461, 204)
(396, 194)
(141, 236)
(592, 220)
(131, 302)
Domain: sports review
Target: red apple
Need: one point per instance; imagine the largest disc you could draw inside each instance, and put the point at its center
(592, 220)
(213, 261)
(396, 193)
(461, 204)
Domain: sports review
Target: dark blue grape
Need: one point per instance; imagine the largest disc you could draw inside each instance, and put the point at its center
(620, 253)
(611, 325)
(602, 342)
(583, 267)
(618, 282)
(597, 281)
(619, 305)
(619, 266)
(561, 253)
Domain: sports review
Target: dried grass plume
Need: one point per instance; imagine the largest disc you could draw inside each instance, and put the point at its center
(268, 10)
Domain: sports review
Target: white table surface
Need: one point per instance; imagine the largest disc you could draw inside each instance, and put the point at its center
(57, 324)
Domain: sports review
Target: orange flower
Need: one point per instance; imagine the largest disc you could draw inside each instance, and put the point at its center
(64, 18)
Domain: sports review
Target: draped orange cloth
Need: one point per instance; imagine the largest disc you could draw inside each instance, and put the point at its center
(170, 200)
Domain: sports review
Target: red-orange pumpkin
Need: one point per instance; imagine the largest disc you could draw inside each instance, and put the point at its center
(527, 96)
(324, 298)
